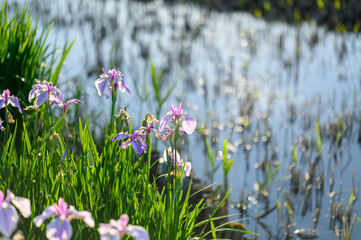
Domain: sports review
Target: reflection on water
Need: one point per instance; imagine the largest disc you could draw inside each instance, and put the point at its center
(263, 86)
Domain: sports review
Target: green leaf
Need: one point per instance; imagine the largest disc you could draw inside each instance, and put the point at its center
(229, 165)
(155, 81)
(294, 154)
(319, 143)
(264, 184)
(351, 198)
(214, 235)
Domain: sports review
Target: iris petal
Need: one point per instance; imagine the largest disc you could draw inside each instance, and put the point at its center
(101, 84)
(14, 101)
(165, 120)
(83, 215)
(108, 232)
(137, 232)
(120, 136)
(23, 204)
(47, 213)
(189, 123)
(8, 219)
(42, 98)
(138, 146)
(59, 229)
(125, 144)
(188, 168)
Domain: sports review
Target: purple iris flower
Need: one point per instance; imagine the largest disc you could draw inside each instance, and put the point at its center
(188, 124)
(115, 230)
(175, 157)
(8, 216)
(44, 91)
(6, 99)
(64, 105)
(150, 123)
(136, 140)
(109, 81)
(60, 228)
(168, 134)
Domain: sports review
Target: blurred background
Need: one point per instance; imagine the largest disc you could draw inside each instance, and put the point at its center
(274, 86)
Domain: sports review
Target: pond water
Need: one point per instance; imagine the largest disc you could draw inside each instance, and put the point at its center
(262, 85)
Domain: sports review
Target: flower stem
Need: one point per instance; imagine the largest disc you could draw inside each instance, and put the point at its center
(50, 114)
(114, 99)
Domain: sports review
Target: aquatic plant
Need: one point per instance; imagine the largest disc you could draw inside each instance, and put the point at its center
(150, 123)
(64, 105)
(174, 116)
(60, 227)
(44, 91)
(25, 54)
(102, 178)
(110, 81)
(6, 99)
(136, 140)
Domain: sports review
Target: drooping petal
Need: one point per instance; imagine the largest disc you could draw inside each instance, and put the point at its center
(87, 218)
(122, 85)
(165, 120)
(125, 144)
(108, 92)
(108, 232)
(53, 98)
(189, 123)
(83, 215)
(187, 168)
(137, 232)
(61, 105)
(2, 103)
(139, 146)
(101, 85)
(42, 98)
(67, 103)
(47, 213)
(14, 101)
(59, 229)
(121, 136)
(54, 91)
(23, 204)
(72, 101)
(8, 219)
(128, 89)
(32, 94)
